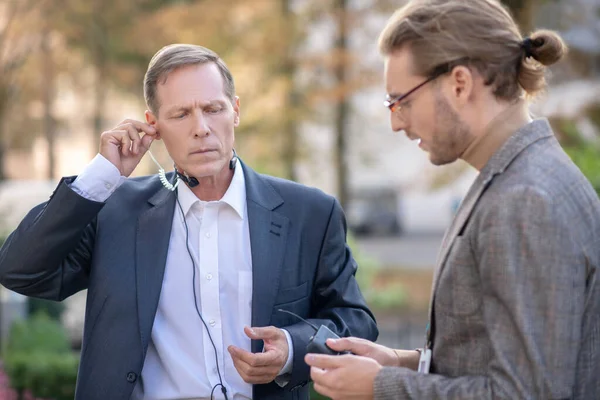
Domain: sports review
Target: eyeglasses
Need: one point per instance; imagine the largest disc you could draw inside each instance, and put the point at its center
(393, 103)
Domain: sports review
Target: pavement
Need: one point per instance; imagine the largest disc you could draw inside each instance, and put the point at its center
(412, 251)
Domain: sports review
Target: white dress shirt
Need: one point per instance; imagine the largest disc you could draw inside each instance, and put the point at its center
(180, 362)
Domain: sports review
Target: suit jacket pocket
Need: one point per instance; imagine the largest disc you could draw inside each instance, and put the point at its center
(459, 290)
(289, 295)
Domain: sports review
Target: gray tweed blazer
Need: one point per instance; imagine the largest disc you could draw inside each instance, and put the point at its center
(515, 311)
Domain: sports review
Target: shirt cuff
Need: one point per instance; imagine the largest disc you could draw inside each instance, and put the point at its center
(284, 375)
(98, 180)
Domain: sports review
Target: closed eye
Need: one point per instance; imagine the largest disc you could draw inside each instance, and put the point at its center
(215, 110)
(180, 115)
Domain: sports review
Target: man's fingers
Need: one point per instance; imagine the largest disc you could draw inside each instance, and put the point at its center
(253, 359)
(146, 142)
(124, 141)
(321, 382)
(250, 374)
(326, 362)
(264, 333)
(355, 345)
(141, 126)
(323, 390)
(134, 135)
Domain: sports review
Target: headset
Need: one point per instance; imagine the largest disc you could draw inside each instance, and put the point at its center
(193, 182)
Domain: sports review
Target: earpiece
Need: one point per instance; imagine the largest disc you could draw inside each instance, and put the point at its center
(163, 176)
(183, 176)
(190, 180)
(233, 160)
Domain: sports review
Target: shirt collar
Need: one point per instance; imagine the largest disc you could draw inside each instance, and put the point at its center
(235, 196)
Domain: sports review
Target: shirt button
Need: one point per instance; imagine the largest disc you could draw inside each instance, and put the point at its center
(107, 185)
(212, 322)
(208, 235)
(209, 276)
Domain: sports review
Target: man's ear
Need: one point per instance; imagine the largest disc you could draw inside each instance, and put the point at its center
(152, 121)
(461, 82)
(236, 110)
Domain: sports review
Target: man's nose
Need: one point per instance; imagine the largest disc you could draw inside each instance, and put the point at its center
(397, 123)
(200, 125)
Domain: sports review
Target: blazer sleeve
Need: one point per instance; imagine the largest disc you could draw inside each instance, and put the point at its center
(533, 278)
(49, 254)
(336, 300)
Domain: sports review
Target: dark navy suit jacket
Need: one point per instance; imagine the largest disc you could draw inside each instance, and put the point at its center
(118, 250)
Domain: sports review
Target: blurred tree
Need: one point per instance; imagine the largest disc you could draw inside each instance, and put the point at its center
(16, 43)
(48, 72)
(342, 108)
(106, 31)
(523, 11)
(288, 71)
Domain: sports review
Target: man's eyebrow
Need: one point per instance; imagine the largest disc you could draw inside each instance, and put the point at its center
(183, 107)
(178, 108)
(215, 103)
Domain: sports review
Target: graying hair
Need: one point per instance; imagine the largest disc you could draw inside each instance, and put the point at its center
(175, 56)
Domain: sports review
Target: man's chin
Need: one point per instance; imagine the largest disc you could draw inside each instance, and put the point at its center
(209, 170)
(439, 161)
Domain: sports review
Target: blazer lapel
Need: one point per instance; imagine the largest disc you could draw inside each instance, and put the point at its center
(152, 245)
(462, 215)
(523, 138)
(268, 237)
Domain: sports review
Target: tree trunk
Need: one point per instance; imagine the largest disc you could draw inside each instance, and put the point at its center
(523, 12)
(288, 71)
(2, 154)
(343, 106)
(48, 99)
(99, 104)
(99, 41)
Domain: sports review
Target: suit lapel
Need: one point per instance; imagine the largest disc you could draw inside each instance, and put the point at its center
(268, 237)
(462, 215)
(523, 138)
(268, 234)
(152, 245)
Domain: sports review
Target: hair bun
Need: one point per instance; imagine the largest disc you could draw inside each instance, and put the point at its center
(546, 47)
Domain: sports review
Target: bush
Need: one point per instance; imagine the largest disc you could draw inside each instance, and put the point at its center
(53, 376)
(377, 297)
(38, 359)
(39, 334)
(584, 153)
(588, 160)
(53, 309)
(45, 375)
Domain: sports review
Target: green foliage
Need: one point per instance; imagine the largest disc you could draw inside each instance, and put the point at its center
(17, 369)
(53, 309)
(39, 334)
(45, 375)
(38, 359)
(587, 158)
(53, 376)
(584, 153)
(390, 296)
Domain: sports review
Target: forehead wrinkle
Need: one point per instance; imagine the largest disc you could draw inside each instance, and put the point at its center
(195, 104)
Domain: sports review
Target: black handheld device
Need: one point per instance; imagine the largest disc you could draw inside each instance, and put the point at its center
(318, 342)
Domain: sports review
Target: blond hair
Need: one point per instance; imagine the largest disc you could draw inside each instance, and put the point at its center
(477, 33)
(175, 56)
